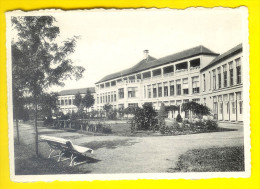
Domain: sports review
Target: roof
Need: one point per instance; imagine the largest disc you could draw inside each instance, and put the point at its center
(151, 62)
(235, 50)
(75, 91)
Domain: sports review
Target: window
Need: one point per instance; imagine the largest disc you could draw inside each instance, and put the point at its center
(66, 102)
(168, 69)
(100, 99)
(69, 101)
(171, 88)
(178, 86)
(102, 86)
(204, 82)
(62, 102)
(214, 80)
(231, 74)
(144, 92)
(157, 72)
(154, 91)
(195, 84)
(149, 91)
(225, 75)
(97, 100)
(132, 92)
(107, 84)
(113, 83)
(240, 107)
(159, 90)
(147, 75)
(221, 107)
(121, 93)
(165, 89)
(219, 77)
(108, 98)
(185, 86)
(209, 80)
(114, 96)
(233, 107)
(238, 66)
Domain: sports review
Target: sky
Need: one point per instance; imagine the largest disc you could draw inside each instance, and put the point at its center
(114, 40)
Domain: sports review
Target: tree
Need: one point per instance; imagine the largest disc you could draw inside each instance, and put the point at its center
(78, 101)
(40, 62)
(48, 103)
(161, 116)
(198, 109)
(107, 108)
(88, 100)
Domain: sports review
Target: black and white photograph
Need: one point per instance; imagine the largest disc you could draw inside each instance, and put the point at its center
(111, 94)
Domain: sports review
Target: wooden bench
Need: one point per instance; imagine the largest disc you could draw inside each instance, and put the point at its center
(64, 147)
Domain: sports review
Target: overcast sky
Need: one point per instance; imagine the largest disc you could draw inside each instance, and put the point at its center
(114, 40)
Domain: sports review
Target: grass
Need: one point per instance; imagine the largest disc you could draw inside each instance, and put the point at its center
(225, 159)
(26, 163)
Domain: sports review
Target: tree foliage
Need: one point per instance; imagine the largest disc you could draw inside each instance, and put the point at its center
(39, 60)
(88, 100)
(198, 109)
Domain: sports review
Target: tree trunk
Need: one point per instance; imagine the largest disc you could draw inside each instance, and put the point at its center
(17, 131)
(36, 129)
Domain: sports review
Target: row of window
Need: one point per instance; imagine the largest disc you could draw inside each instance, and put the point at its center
(223, 77)
(168, 88)
(66, 102)
(195, 63)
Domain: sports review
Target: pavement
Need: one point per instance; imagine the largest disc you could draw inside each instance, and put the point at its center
(123, 154)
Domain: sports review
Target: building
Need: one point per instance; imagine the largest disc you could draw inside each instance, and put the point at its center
(66, 98)
(222, 86)
(197, 74)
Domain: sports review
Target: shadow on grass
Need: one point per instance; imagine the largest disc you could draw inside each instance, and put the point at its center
(26, 163)
(109, 144)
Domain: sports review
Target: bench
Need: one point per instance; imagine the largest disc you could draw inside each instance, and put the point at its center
(64, 147)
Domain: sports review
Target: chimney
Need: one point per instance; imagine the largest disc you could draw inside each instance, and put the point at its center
(146, 53)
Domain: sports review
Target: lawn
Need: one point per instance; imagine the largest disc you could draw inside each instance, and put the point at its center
(225, 159)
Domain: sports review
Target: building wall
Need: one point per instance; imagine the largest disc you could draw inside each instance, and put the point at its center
(223, 96)
(161, 83)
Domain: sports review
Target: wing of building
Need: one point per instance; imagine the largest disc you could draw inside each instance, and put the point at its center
(66, 98)
(196, 74)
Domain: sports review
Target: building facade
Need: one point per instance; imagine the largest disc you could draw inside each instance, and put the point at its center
(197, 74)
(66, 98)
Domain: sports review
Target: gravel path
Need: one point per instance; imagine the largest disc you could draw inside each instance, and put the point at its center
(120, 154)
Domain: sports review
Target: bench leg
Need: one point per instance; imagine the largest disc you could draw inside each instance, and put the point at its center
(51, 152)
(73, 162)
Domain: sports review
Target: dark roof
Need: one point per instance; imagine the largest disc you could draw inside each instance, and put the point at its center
(75, 91)
(152, 62)
(235, 50)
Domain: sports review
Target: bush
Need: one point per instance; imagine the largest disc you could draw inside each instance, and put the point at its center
(48, 121)
(211, 125)
(107, 129)
(178, 118)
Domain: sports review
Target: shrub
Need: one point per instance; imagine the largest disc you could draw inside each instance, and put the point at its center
(48, 121)
(107, 129)
(211, 125)
(178, 118)
(161, 116)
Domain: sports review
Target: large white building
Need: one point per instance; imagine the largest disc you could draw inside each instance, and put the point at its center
(197, 74)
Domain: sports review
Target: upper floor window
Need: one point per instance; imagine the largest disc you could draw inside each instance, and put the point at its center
(149, 91)
(171, 88)
(121, 93)
(159, 90)
(147, 75)
(132, 92)
(157, 72)
(113, 83)
(185, 86)
(195, 84)
(231, 74)
(204, 82)
(168, 69)
(214, 80)
(154, 91)
(219, 77)
(238, 67)
(165, 88)
(178, 86)
(225, 75)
